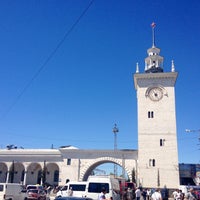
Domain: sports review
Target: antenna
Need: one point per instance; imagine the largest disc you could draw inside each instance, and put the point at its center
(153, 25)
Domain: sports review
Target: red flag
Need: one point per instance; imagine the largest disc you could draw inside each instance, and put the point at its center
(153, 24)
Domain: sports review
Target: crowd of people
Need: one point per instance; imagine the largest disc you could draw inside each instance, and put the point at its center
(160, 194)
(146, 194)
(190, 195)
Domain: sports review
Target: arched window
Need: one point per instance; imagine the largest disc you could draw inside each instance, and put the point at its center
(56, 176)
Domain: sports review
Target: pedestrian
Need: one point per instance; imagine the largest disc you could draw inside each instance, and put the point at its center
(148, 194)
(49, 188)
(70, 192)
(182, 195)
(102, 195)
(125, 194)
(178, 195)
(156, 195)
(165, 193)
(144, 194)
(174, 194)
(130, 194)
(137, 193)
(191, 195)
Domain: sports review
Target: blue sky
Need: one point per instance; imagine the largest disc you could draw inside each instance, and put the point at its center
(86, 85)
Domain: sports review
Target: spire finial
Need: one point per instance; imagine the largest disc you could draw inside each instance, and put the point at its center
(137, 67)
(173, 67)
(153, 25)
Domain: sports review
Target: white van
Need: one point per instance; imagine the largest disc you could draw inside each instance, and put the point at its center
(76, 188)
(97, 183)
(12, 191)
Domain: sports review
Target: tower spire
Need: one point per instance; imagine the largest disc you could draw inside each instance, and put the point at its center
(154, 62)
(153, 25)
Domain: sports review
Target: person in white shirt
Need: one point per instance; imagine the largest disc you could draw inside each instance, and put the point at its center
(178, 195)
(156, 195)
(137, 193)
(102, 195)
(148, 194)
(175, 194)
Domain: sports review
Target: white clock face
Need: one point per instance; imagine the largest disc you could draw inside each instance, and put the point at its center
(155, 93)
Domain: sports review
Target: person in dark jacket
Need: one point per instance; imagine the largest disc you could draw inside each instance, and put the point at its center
(165, 193)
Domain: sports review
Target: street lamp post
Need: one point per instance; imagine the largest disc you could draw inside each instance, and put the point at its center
(115, 131)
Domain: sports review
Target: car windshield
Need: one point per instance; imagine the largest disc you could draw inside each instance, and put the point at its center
(33, 191)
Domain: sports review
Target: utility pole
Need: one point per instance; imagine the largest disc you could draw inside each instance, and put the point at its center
(115, 131)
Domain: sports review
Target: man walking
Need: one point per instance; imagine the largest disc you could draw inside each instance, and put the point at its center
(137, 193)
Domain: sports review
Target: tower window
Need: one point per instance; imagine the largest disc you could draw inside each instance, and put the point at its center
(150, 114)
(162, 141)
(152, 162)
(69, 161)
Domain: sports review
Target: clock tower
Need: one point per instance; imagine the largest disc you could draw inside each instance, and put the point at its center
(157, 137)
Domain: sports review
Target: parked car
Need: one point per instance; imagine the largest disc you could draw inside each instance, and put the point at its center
(36, 194)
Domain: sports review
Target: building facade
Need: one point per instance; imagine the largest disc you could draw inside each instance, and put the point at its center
(55, 166)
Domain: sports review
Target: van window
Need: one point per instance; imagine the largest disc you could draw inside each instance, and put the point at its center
(97, 187)
(79, 187)
(1, 188)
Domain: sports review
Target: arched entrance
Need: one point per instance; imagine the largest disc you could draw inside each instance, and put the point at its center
(34, 174)
(52, 174)
(16, 173)
(93, 164)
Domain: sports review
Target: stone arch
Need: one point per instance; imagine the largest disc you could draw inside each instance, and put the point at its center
(52, 174)
(33, 173)
(86, 171)
(3, 172)
(16, 173)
